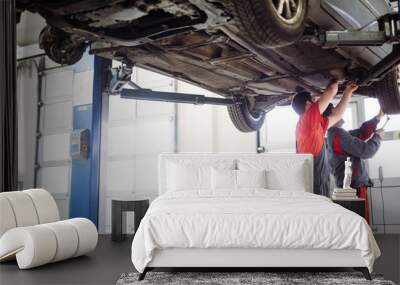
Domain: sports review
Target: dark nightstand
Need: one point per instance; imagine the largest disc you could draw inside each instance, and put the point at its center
(355, 205)
(139, 207)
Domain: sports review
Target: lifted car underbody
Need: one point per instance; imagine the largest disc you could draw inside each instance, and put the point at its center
(199, 41)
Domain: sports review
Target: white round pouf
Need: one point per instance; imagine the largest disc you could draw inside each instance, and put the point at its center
(7, 218)
(87, 234)
(23, 208)
(33, 246)
(67, 239)
(45, 205)
(31, 233)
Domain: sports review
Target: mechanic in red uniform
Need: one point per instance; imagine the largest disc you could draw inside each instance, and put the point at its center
(312, 126)
(358, 144)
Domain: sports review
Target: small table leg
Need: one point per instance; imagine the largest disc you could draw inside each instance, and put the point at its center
(116, 221)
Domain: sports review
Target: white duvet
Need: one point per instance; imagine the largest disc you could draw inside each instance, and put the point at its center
(250, 219)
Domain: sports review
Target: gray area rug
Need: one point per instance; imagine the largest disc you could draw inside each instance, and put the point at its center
(243, 278)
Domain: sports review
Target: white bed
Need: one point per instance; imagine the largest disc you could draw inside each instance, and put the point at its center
(247, 210)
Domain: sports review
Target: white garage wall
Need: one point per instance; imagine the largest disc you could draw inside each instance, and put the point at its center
(280, 126)
(389, 152)
(195, 123)
(229, 139)
(208, 128)
(134, 134)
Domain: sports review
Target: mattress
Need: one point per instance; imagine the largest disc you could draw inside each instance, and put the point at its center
(250, 219)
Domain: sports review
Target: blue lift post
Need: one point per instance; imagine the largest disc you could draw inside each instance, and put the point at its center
(85, 178)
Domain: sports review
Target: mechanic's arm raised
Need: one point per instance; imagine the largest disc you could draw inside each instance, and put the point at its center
(326, 97)
(338, 111)
(356, 147)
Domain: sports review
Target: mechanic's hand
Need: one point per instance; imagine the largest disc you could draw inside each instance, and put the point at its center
(380, 115)
(333, 85)
(380, 132)
(351, 87)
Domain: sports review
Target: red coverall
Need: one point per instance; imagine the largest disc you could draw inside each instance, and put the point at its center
(310, 138)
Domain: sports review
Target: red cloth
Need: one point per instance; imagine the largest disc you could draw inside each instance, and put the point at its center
(310, 131)
(368, 129)
(362, 192)
(337, 148)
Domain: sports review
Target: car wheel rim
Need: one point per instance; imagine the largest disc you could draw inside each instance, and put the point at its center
(289, 11)
(254, 115)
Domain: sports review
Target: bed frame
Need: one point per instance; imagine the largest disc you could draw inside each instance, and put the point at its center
(237, 259)
(260, 259)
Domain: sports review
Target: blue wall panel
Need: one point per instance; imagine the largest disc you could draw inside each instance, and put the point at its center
(81, 169)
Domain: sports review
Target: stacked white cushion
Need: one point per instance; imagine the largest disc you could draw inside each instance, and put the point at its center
(66, 237)
(45, 239)
(23, 208)
(7, 219)
(46, 207)
(32, 246)
(87, 235)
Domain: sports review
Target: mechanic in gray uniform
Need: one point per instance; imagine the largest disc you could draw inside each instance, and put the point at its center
(358, 144)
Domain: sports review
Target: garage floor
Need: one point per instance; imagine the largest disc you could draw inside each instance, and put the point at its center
(103, 266)
(111, 259)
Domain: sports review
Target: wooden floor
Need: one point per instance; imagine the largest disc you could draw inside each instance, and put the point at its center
(103, 266)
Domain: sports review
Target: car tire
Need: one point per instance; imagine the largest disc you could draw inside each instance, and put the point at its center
(244, 119)
(59, 46)
(265, 25)
(388, 92)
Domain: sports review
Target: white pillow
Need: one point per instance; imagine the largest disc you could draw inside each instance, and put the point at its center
(291, 178)
(183, 177)
(223, 179)
(251, 178)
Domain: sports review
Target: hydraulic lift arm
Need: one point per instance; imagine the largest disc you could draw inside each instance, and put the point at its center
(121, 77)
(150, 95)
(389, 32)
